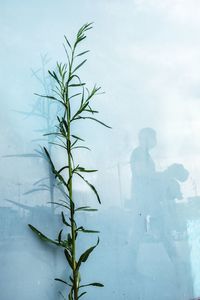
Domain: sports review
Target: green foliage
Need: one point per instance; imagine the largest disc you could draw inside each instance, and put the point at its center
(67, 87)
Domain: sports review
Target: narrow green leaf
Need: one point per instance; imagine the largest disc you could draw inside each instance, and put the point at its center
(49, 157)
(41, 235)
(91, 186)
(81, 147)
(92, 111)
(59, 145)
(63, 281)
(68, 43)
(74, 76)
(85, 208)
(94, 119)
(97, 284)
(54, 76)
(47, 96)
(69, 258)
(93, 92)
(89, 26)
(82, 108)
(81, 169)
(77, 137)
(52, 133)
(80, 65)
(89, 231)
(83, 258)
(82, 294)
(79, 39)
(70, 297)
(76, 84)
(75, 95)
(63, 168)
(60, 236)
(57, 175)
(64, 220)
(65, 124)
(82, 229)
(69, 239)
(82, 53)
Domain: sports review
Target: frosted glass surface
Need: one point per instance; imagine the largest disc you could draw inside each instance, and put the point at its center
(146, 56)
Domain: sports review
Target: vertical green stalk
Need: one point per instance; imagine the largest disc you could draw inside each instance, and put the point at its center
(67, 80)
(67, 114)
(70, 186)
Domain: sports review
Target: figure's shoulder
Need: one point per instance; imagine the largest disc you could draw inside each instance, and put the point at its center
(137, 154)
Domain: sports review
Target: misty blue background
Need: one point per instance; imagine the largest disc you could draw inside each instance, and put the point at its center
(146, 56)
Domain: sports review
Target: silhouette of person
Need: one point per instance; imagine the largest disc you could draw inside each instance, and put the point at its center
(143, 185)
(143, 171)
(153, 200)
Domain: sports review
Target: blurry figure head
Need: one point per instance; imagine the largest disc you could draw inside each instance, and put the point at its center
(178, 172)
(147, 138)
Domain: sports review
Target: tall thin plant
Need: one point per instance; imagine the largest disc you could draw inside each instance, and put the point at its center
(68, 87)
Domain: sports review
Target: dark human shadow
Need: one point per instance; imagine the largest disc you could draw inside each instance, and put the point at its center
(155, 223)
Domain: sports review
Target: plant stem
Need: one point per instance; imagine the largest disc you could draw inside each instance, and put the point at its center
(72, 211)
(72, 227)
